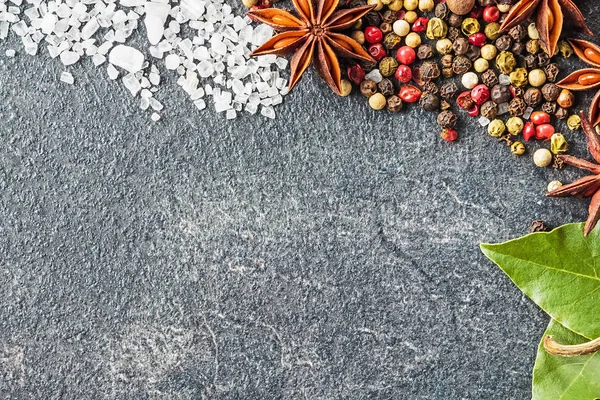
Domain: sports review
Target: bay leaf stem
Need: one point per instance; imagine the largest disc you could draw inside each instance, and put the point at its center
(563, 350)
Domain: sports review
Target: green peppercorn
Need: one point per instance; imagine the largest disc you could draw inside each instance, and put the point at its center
(388, 66)
(558, 144)
(492, 30)
(515, 125)
(506, 62)
(496, 128)
(519, 77)
(574, 122)
(565, 49)
(517, 148)
(436, 29)
(470, 26)
(391, 40)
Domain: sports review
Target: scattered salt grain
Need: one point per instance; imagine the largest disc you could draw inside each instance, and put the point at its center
(10, 53)
(375, 76)
(155, 117)
(66, 77)
(483, 121)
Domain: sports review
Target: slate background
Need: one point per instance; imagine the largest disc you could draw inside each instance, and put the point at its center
(329, 254)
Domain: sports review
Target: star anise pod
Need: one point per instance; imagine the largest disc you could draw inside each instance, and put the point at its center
(314, 36)
(588, 186)
(550, 16)
(586, 78)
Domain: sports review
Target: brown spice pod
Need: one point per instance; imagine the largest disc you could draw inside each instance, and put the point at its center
(581, 47)
(571, 82)
(549, 23)
(460, 7)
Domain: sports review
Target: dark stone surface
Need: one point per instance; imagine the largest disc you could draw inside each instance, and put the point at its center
(330, 254)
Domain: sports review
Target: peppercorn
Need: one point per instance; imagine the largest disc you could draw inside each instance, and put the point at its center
(447, 60)
(542, 158)
(518, 78)
(489, 78)
(504, 5)
(461, 65)
(492, 31)
(394, 103)
(430, 87)
(377, 101)
(447, 73)
(533, 46)
(372, 18)
(455, 20)
(481, 65)
(550, 107)
(453, 33)
(388, 15)
(465, 101)
(574, 122)
(552, 71)
(489, 52)
(425, 51)
(518, 48)
(346, 88)
(565, 49)
(554, 185)
(444, 105)
(449, 135)
(565, 99)
(473, 53)
(411, 4)
(426, 5)
(413, 40)
(449, 90)
(550, 92)
(543, 59)
(368, 88)
(517, 107)
(386, 87)
(368, 66)
(388, 66)
(446, 119)
(504, 43)
(518, 33)
(489, 109)
(533, 32)
(531, 61)
(460, 46)
(517, 148)
(396, 5)
(537, 78)
(561, 113)
(442, 11)
(515, 125)
(470, 26)
(429, 102)
(500, 94)
(444, 46)
(533, 97)
(477, 39)
(410, 16)
(430, 70)
(506, 62)
(517, 91)
(385, 28)
(558, 144)
(401, 28)
(469, 80)
(391, 41)
(436, 29)
(496, 128)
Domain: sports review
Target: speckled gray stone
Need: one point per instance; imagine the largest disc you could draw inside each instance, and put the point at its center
(329, 254)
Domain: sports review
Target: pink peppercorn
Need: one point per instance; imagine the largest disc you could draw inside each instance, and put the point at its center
(373, 34)
(377, 51)
(406, 55)
(480, 94)
(403, 73)
(478, 39)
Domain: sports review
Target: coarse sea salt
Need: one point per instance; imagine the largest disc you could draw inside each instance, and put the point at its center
(202, 41)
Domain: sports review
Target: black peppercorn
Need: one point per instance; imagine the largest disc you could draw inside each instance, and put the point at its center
(431, 88)
(446, 119)
(453, 33)
(386, 87)
(461, 65)
(449, 90)
(485, 3)
(368, 88)
(552, 71)
(518, 48)
(504, 43)
(460, 46)
(500, 94)
(389, 16)
(518, 92)
(425, 51)
(550, 107)
(518, 33)
(517, 107)
(551, 92)
(489, 109)
(394, 103)
(561, 113)
(543, 59)
(372, 19)
(430, 70)
(531, 62)
(447, 73)
(442, 11)
(455, 21)
(474, 52)
(368, 66)
(489, 78)
(533, 97)
(429, 102)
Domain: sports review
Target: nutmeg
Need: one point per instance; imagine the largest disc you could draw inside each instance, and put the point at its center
(460, 7)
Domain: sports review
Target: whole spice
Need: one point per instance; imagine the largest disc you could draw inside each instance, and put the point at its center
(533, 97)
(388, 66)
(515, 125)
(386, 87)
(517, 107)
(447, 60)
(460, 46)
(519, 77)
(558, 144)
(550, 107)
(429, 102)
(446, 119)
(449, 135)
(542, 158)
(517, 148)
(368, 88)
(496, 128)
(377, 101)
(394, 103)
(436, 29)
(460, 7)
(489, 78)
(489, 110)
(461, 65)
(424, 51)
(537, 78)
(470, 26)
(552, 186)
(566, 99)
(552, 71)
(551, 92)
(430, 70)
(504, 43)
(538, 226)
(346, 88)
(506, 62)
(449, 90)
(574, 122)
(500, 94)
(410, 94)
(470, 80)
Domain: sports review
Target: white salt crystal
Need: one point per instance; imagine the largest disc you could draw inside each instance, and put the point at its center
(375, 76)
(69, 57)
(502, 108)
(200, 104)
(112, 72)
(132, 84)
(504, 79)
(10, 53)
(268, 112)
(483, 121)
(230, 114)
(172, 61)
(90, 28)
(98, 59)
(66, 77)
(156, 16)
(127, 58)
(155, 117)
(528, 113)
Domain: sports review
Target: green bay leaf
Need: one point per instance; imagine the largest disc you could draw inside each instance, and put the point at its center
(565, 378)
(559, 271)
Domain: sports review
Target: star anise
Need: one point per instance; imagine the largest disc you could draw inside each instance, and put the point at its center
(550, 17)
(588, 186)
(586, 78)
(314, 36)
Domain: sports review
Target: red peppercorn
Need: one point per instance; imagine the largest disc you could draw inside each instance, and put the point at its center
(403, 73)
(377, 51)
(528, 131)
(544, 132)
(478, 39)
(491, 14)
(474, 111)
(356, 73)
(373, 34)
(465, 101)
(540, 117)
(406, 55)
(449, 135)
(480, 94)
(410, 94)
(400, 14)
(476, 12)
(420, 25)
